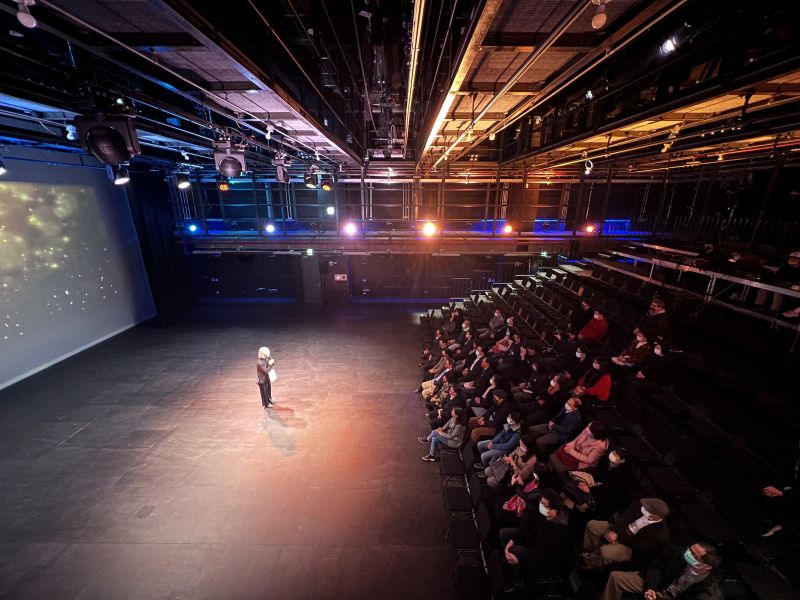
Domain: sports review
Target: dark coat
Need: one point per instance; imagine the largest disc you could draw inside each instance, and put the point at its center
(263, 367)
(668, 567)
(648, 543)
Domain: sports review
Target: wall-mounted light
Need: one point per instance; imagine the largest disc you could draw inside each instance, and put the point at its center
(121, 175)
(182, 181)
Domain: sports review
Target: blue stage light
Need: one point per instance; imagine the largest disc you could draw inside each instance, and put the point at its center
(192, 227)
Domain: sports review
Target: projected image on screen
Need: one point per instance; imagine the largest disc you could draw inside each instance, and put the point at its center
(70, 271)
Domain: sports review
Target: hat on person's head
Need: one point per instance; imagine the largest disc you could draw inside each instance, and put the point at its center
(656, 507)
(583, 476)
(553, 498)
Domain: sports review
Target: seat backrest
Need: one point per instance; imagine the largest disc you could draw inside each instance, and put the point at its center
(467, 457)
(483, 522)
(475, 489)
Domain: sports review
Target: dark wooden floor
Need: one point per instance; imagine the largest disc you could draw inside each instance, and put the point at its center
(146, 468)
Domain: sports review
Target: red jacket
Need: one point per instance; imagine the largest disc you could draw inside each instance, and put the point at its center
(601, 388)
(594, 330)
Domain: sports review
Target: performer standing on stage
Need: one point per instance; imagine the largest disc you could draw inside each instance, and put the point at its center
(265, 370)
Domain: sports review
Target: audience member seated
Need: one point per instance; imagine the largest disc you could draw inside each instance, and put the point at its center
(452, 326)
(471, 368)
(430, 387)
(492, 421)
(614, 483)
(439, 414)
(563, 427)
(655, 322)
(540, 546)
(459, 340)
(654, 373)
(637, 536)
(565, 343)
(465, 350)
(679, 573)
(501, 444)
(435, 363)
(506, 332)
(451, 434)
(633, 354)
(480, 405)
(582, 453)
(519, 464)
(534, 386)
(595, 385)
(478, 385)
(595, 330)
(787, 274)
(495, 324)
(546, 405)
(579, 318)
(510, 358)
(780, 510)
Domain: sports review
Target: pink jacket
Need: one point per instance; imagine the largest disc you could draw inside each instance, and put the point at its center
(588, 449)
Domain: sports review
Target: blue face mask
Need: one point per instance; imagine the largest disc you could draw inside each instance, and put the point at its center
(690, 559)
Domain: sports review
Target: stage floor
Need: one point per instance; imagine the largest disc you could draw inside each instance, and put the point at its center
(146, 468)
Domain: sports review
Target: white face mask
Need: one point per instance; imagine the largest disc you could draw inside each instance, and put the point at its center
(510, 421)
(543, 510)
(568, 407)
(498, 314)
(579, 355)
(553, 383)
(509, 322)
(598, 317)
(658, 351)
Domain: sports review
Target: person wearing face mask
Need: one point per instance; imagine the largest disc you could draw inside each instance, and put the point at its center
(582, 453)
(595, 385)
(520, 464)
(637, 536)
(653, 374)
(461, 338)
(534, 385)
(505, 442)
(540, 546)
(633, 354)
(471, 367)
(492, 421)
(679, 573)
(546, 405)
(596, 329)
(495, 324)
(561, 428)
(579, 318)
(616, 483)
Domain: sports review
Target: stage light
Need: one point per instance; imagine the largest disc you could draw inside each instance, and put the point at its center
(492, 136)
(589, 95)
(327, 183)
(350, 229)
(111, 138)
(309, 252)
(330, 211)
(182, 181)
(587, 167)
(230, 166)
(270, 228)
(428, 229)
(600, 18)
(192, 228)
(270, 129)
(3, 169)
(121, 175)
(24, 15)
(543, 254)
(508, 229)
(668, 46)
(223, 185)
(310, 178)
(589, 229)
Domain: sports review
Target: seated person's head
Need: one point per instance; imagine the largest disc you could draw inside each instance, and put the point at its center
(702, 556)
(550, 503)
(499, 396)
(598, 430)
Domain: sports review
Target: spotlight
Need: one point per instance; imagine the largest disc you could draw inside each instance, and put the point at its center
(668, 46)
(309, 252)
(24, 15)
(589, 95)
(223, 185)
(270, 129)
(270, 228)
(228, 159)
(330, 211)
(350, 229)
(121, 176)
(182, 181)
(492, 136)
(327, 183)
(428, 229)
(185, 155)
(508, 229)
(587, 167)
(600, 18)
(111, 138)
(310, 178)
(192, 228)
(589, 229)
(3, 169)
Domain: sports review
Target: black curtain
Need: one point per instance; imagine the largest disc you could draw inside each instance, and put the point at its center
(167, 268)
